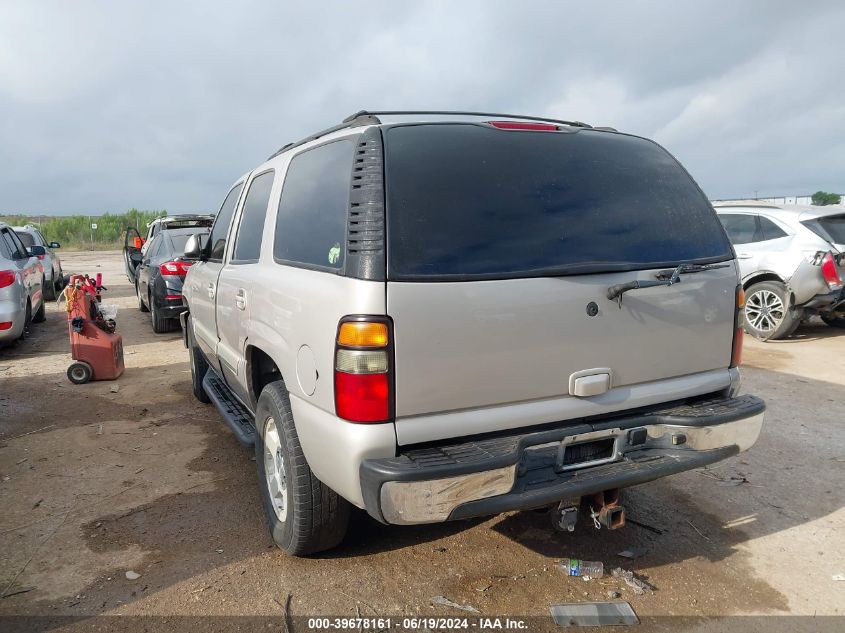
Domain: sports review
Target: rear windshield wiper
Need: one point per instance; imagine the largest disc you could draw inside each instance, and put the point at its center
(665, 278)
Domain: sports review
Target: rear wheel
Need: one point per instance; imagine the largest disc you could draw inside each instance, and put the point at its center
(41, 313)
(27, 321)
(49, 290)
(768, 315)
(199, 366)
(304, 515)
(834, 319)
(160, 324)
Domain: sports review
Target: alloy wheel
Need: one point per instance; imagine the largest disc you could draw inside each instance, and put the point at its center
(274, 470)
(764, 310)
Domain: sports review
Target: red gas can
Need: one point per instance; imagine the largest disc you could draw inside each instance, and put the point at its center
(96, 348)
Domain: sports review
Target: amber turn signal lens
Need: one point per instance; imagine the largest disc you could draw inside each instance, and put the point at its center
(740, 298)
(362, 334)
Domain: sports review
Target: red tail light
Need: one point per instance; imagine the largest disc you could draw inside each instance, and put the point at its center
(175, 268)
(7, 278)
(6, 325)
(363, 378)
(522, 125)
(739, 332)
(829, 272)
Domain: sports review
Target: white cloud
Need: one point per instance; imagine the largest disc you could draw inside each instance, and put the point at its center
(105, 105)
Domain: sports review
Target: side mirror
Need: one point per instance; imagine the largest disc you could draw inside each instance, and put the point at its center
(195, 246)
(36, 251)
(55, 245)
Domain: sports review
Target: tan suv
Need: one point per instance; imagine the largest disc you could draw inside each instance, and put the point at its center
(435, 316)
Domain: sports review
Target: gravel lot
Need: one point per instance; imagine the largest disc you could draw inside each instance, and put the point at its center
(100, 479)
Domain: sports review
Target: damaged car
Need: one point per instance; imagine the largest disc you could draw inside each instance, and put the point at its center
(791, 260)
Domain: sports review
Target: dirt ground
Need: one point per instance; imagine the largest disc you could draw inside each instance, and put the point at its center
(135, 475)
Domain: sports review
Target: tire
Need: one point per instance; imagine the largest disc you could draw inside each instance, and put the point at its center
(768, 315)
(199, 366)
(49, 290)
(79, 373)
(836, 319)
(160, 324)
(141, 306)
(41, 314)
(27, 321)
(304, 515)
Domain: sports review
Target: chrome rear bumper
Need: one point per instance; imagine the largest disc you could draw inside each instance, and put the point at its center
(520, 472)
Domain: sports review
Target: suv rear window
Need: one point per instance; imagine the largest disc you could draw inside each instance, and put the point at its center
(833, 225)
(467, 201)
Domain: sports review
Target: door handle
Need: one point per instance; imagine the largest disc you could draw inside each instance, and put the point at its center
(210, 289)
(743, 256)
(240, 299)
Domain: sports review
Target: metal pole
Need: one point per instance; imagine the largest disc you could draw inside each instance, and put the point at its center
(91, 231)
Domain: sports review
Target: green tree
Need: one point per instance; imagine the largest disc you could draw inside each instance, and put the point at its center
(74, 232)
(823, 198)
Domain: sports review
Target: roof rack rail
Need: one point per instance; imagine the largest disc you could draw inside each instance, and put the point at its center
(367, 117)
(356, 120)
(365, 113)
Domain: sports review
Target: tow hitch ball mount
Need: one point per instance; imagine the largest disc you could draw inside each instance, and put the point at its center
(604, 507)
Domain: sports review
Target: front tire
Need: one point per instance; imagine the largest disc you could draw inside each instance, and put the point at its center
(768, 315)
(199, 366)
(303, 514)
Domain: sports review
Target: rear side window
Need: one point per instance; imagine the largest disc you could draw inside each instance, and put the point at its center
(16, 248)
(5, 247)
(741, 228)
(311, 223)
(217, 240)
(251, 227)
(475, 202)
(27, 239)
(769, 230)
(154, 249)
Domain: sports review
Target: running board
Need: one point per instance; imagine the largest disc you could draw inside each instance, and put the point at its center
(234, 414)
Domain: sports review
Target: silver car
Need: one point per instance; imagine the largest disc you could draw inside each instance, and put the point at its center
(791, 262)
(21, 283)
(441, 320)
(52, 264)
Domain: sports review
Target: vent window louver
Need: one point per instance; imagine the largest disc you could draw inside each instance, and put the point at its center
(365, 243)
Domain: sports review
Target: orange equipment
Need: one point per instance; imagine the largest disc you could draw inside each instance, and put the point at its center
(94, 345)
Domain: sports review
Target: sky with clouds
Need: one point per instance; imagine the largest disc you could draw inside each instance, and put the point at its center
(161, 105)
